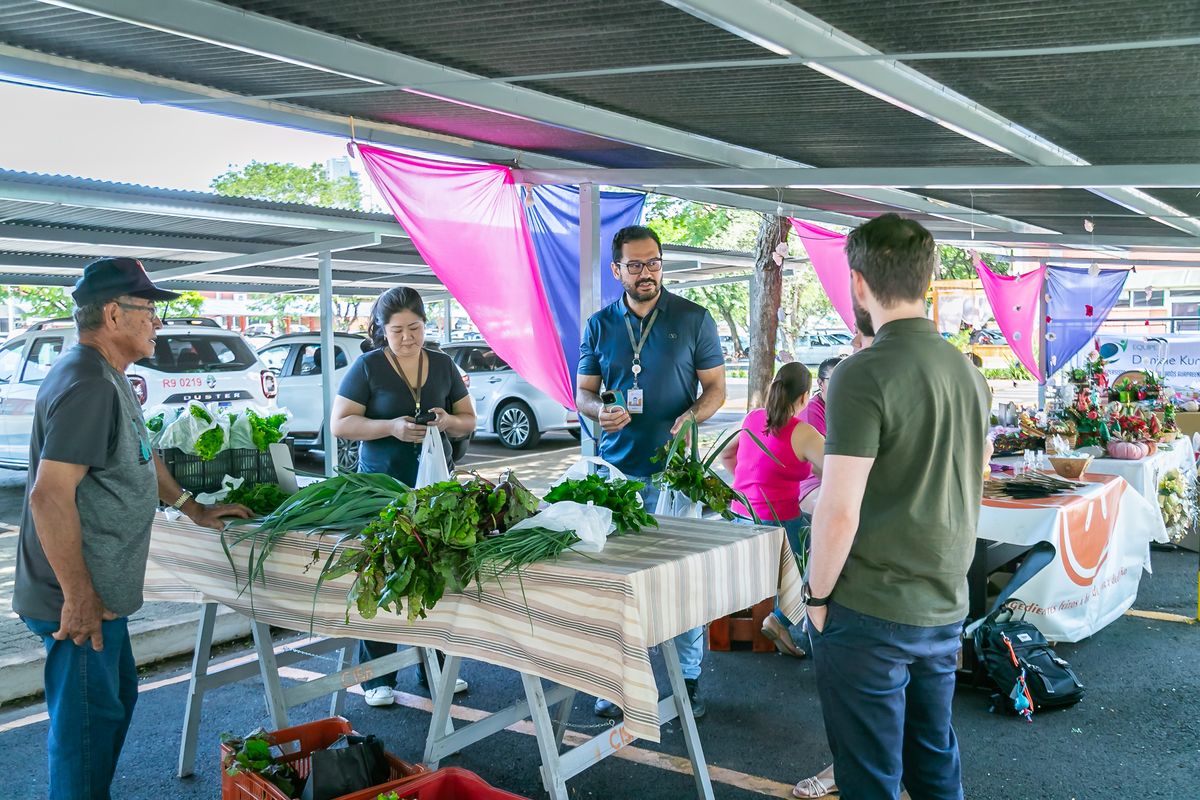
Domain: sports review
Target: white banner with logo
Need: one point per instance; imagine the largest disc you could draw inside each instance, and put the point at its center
(1174, 356)
(1102, 535)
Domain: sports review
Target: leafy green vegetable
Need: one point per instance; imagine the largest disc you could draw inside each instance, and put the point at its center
(155, 423)
(200, 412)
(507, 553)
(261, 498)
(421, 545)
(265, 431)
(253, 754)
(209, 443)
(620, 496)
(684, 470)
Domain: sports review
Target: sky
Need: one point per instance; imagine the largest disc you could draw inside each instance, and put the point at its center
(66, 133)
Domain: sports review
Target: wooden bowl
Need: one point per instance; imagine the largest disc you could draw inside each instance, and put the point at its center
(1070, 468)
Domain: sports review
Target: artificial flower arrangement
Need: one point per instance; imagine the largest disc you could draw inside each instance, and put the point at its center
(1177, 504)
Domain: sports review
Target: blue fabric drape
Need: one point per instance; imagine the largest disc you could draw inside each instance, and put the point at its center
(1076, 305)
(554, 226)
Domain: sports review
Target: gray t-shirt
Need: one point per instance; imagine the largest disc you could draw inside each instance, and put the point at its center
(86, 414)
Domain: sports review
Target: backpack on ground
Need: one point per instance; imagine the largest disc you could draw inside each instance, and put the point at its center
(1017, 658)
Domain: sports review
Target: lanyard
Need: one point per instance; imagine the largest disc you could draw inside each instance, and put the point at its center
(415, 390)
(638, 344)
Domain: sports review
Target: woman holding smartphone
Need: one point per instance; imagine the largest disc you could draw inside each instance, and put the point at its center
(387, 401)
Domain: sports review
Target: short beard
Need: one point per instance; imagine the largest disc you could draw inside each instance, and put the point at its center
(862, 318)
(641, 296)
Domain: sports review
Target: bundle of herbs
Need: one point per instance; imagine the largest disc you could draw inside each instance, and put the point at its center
(687, 472)
(266, 431)
(211, 441)
(619, 496)
(421, 544)
(346, 502)
(253, 754)
(261, 498)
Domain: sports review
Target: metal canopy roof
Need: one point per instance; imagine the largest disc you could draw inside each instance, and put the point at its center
(52, 225)
(656, 85)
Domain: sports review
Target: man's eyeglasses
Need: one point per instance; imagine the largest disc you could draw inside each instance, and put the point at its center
(636, 267)
(152, 308)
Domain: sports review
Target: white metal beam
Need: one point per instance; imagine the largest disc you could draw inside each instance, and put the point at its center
(787, 30)
(270, 257)
(120, 82)
(1145, 176)
(218, 24)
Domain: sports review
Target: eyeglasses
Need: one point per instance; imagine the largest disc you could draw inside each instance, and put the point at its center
(152, 308)
(636, 267)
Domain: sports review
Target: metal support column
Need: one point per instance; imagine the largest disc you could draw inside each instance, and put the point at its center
(328, 362)
(1043, 359)
(591, 262)
(447, 319)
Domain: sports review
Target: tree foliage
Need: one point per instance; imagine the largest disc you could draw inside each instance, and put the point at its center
(289, 183)
(683, 222)
(957, 264)
(188, 304)
(43, 302)
(727, 302)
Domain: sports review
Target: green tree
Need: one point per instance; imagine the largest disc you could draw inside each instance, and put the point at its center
(804, 301)
(725, 301)
(957, 264)
(188, 304)
(278, 307)
(43, 302)
(289, 183)
(683, 222)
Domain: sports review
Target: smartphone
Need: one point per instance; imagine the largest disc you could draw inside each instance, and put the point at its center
(613, 398)
(425, 418)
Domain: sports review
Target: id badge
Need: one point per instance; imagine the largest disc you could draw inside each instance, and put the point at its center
(634, 399)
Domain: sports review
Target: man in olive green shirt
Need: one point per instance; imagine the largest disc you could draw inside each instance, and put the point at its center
(894, 529)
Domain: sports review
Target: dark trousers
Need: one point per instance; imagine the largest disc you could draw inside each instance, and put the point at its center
(368, 650)
(90, 698)
(886, 691)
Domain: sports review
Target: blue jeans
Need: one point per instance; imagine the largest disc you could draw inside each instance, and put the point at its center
(690, 643)
(792, 529)
(886, 690)
(90, 698)
(369, 651)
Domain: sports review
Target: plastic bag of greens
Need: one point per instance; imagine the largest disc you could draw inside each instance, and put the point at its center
(197, 432)
(674, 503)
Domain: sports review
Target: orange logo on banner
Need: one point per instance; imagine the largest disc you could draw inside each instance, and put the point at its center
(1085, 533)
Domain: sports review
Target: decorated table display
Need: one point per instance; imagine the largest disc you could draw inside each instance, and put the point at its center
(1101, 532)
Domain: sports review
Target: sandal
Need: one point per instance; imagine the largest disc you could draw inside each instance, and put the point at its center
(773, 629)
(820, 785)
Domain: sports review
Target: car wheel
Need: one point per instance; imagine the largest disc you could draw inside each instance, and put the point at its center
(516, 426)
(347, 455)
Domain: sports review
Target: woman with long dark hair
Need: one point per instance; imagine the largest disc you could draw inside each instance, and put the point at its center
(384, 401)
(773, 483)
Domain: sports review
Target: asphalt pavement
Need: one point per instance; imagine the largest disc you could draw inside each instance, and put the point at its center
(1136, 734)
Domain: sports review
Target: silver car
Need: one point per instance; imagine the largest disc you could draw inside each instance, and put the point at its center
(505, 403)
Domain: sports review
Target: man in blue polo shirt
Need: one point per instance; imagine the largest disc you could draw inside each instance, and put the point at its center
(657, 349)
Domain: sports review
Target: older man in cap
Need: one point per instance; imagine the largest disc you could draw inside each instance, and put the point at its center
(94, 485)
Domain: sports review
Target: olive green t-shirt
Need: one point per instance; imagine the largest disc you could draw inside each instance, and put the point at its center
(915, 405)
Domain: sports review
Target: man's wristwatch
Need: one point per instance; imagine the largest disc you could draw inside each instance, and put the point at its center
(809, 600)
(183, 498)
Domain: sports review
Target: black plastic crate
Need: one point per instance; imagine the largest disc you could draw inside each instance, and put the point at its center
(199, 476)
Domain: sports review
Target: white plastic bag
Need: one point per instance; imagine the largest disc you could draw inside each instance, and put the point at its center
(674, 503)
(187, 427)
(228, 484)
(591, 523)
(241, 435)
(580, 470)
(432, 466)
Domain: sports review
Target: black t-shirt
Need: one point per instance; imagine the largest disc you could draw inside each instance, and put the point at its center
(372, 382)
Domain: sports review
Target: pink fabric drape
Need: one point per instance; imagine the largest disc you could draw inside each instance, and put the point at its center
(827, 251)
(1015, 304)
(468, 223)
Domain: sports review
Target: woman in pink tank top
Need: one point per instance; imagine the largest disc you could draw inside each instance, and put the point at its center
(783, 485)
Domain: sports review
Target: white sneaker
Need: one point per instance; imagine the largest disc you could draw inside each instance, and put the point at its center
(380, 696)
(460, 686)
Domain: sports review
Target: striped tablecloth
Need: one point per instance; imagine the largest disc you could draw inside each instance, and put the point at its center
(587, 625)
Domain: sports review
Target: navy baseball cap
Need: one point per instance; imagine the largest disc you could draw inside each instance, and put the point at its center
(108, 278)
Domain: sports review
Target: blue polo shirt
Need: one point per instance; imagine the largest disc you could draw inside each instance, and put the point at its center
(683, 340)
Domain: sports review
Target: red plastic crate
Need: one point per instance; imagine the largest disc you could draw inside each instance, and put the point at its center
(304, 739)
(450, 783)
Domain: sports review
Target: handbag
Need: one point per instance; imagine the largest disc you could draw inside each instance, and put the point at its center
(352, 763)
(1016, 656)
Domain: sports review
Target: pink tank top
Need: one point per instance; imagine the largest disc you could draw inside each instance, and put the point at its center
(765, 484)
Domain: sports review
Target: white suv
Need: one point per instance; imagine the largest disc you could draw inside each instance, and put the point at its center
(505, 403)
(295, 359)
(194, 359)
